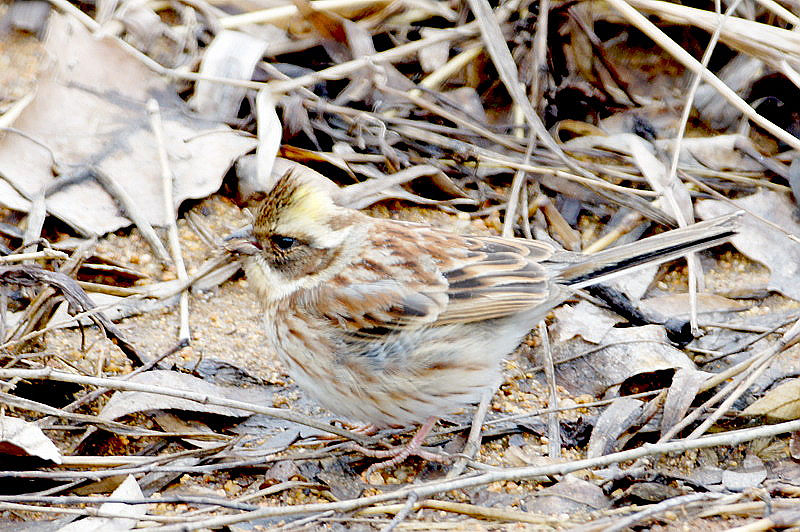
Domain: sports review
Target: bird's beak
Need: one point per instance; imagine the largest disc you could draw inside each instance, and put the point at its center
(241, 242)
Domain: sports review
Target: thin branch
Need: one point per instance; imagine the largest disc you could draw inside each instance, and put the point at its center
(511, 474)
(118, 384)
(167, 191)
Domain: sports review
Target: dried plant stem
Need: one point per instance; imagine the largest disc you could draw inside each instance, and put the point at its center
(756, 365)
(93, 512)
(544, 411)
(780, 11)
(700, 410)
(766, 42)
(747, 508)
(45, 254)
(553, 427)
(435, 79)
(207, 268)
(77, 298)
(112, 290)
(761, 333)
(110, 425)
(570, 237)
(35, 221)
(453, 117)
(91, 396)
(520, 178)
(285, 13)
(167, 191)
(283, 486)
(143, 58)
(735, 206)
(776, 521)
(132, 210)
(104, 461)
(98, 475)
(75, 499)
(539, 60)
(504, 161)
(675, 50)
(496, 46)
(663, 506)
(402, 512)
(298, 524)
(42, 302)
(472, 510)
(732, 395)
(117, 384)
(626, 225)
(474, 439)
(787, 70)
(37, 308)
(510, 474)
(389, 56)
(740, 178)
(201, 229)
(71, 321)
(694, 264)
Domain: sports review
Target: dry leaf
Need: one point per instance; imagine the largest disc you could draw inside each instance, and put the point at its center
(270, 132)
(589, 321)
(172, 423)
(738, 74)
(231, 55)
(22, 438)
(685, 384)
(620, 415)
(569, 496)
(129, 514)
(625, 353)
(124, 403)
(88, 118)
(250, 182)
(750, 475)
(677, 305)
(717, 153)
(781, 403)
(675, 196)
(434, 56)
(116, 307)
(764, 243)
(144, 29)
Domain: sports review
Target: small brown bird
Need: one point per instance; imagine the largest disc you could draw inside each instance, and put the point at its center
(395, 323)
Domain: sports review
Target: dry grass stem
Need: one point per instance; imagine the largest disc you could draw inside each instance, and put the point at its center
(167, 185)
(432, 488)
(546, 120)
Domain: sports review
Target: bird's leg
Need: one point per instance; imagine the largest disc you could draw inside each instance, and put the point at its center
(398, 454)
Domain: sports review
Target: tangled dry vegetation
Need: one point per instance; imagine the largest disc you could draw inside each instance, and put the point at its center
(134, 388)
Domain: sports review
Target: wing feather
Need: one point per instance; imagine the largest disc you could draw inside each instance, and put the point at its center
(412, 276)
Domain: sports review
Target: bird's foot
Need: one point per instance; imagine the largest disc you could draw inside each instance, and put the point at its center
(398, 454)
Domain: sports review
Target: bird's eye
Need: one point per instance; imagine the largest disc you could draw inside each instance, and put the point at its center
(283, 242)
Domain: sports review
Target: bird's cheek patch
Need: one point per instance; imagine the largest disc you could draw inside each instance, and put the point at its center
(306, 261)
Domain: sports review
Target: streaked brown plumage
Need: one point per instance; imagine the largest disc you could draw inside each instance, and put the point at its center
(393, 323)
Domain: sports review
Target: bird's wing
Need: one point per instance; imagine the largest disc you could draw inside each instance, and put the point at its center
(496, 278)
(410, 275)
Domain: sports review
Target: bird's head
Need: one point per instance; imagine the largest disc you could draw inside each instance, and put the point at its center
(299, 238)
